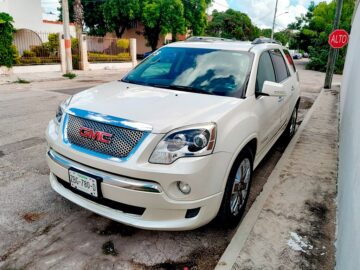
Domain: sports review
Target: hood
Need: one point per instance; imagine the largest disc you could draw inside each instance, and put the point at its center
(163, 109)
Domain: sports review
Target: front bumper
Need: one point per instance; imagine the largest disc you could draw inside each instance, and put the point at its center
(161, 212)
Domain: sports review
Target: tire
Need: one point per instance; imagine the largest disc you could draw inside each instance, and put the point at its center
(229, 215)
(291, 127)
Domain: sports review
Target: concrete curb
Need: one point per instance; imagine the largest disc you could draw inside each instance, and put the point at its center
(237, 243)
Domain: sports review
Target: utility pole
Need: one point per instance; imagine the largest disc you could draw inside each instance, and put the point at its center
(273, 26)
(333, 53)
(66, 22)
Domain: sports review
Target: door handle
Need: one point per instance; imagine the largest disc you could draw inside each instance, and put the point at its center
(292, 88)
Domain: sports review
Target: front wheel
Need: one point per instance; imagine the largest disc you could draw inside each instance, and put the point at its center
(236, 191)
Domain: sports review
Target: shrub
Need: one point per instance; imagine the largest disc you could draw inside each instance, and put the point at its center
(41, 50)
(76, 61)
(124, 55)
(30, 60)
(6, 38)
(75, 46)
(50, 60)
(53, 43)
(16, 56)
(101, 57)
(37, 60)
(123, 43)
(28, 53)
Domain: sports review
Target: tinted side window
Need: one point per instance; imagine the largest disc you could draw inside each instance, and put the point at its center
(265, 71)
(290, 59)
(280, 67)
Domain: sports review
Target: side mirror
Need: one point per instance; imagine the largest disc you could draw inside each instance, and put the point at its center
(273, 89)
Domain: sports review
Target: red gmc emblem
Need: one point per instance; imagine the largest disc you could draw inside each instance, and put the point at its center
(91, 134)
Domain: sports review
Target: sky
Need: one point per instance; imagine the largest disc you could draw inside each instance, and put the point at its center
(261, 12)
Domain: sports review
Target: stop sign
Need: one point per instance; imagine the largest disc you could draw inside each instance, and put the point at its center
(338, 38)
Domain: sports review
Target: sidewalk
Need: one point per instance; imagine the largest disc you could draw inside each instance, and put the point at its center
(58, 76)
(291, 225)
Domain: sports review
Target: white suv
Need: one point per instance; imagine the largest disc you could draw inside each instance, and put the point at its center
(173, 144)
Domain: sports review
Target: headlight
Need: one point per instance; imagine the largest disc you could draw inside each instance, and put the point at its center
(189, 141)
(61, 109)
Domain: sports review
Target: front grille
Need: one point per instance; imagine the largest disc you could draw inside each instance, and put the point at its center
(129, 209)
(122, 142)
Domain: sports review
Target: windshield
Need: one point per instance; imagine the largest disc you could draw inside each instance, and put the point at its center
(207, 71)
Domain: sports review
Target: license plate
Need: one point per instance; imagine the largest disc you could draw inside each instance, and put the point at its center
(84, 183)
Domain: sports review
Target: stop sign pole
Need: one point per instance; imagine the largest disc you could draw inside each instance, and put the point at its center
(333, 53)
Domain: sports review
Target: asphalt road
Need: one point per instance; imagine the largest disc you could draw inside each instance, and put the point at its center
(41, 230)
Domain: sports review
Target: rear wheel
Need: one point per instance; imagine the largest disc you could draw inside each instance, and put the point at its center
(291, 127)
(236, 191)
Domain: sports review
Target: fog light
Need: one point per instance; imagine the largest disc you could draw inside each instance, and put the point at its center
(184, 187)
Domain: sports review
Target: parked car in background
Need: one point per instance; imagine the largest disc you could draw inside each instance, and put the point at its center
(305, 55)
(297, 55)
(173, 144)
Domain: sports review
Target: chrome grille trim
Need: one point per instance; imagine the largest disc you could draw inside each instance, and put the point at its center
(111, 120)
(112, 179)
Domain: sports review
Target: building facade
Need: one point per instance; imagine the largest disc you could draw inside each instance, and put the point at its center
(27, 15)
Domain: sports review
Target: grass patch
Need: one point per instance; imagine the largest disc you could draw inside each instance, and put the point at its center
(19, 80)
(69, 75)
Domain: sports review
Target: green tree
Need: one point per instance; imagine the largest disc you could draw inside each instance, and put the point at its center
(8, 52)
(283, 36)
(313, 31)
(121, 14)
(232, 24)
(93, 16)
(195, 15)
(162, 17)
(265, 32)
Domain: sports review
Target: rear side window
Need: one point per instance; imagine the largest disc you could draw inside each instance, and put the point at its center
(281, 69)
(290, 59)
(265, 71)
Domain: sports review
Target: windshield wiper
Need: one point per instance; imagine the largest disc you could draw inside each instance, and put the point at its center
(133, 82)
(171, 86)
(189, 89)
(158, 85)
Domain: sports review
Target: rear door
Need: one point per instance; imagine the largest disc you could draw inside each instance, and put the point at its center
(283, 76)
(295, 86)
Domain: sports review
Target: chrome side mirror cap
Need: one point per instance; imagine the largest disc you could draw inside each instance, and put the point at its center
(273, 89)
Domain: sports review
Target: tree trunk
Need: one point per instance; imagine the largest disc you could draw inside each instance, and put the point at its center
(174, 36)
(79, 21)
(152, 36)
(120, 31)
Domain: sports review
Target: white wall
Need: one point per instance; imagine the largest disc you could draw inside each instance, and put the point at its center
(4, 6)
(27, 14)
(348, 230)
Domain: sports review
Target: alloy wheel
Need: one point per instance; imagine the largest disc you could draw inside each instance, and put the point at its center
(240, 187)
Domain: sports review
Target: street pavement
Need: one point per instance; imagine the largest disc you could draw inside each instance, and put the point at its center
(41, 230)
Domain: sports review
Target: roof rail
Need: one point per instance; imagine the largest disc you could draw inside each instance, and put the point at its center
(263, 40)
(207, 39)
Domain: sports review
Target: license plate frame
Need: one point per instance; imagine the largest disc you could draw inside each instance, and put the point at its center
(88, 178)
